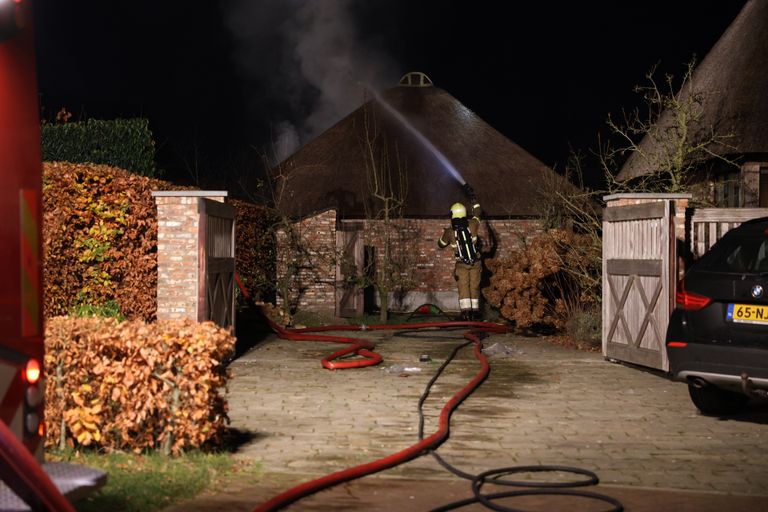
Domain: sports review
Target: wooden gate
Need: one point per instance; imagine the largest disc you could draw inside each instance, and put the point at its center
(216, 278)
(638, 266)
(350, 244)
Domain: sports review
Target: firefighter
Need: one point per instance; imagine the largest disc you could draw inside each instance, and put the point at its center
(462, 236)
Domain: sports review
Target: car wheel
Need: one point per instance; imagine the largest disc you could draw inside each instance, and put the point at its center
(713, 400)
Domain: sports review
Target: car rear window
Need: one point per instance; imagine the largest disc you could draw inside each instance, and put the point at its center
(738, 253)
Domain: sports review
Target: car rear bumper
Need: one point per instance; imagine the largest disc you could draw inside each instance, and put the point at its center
(735, 368)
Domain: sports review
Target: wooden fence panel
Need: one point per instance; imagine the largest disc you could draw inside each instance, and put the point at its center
(216, 248)
(708, 225)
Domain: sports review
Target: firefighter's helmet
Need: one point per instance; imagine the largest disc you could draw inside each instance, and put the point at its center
(458, 211)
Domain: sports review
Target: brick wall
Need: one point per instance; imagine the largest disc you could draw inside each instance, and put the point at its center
(430, 269)
(178, 223)
(313, 286)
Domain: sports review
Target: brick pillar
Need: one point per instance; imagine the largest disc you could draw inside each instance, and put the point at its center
(178, 222)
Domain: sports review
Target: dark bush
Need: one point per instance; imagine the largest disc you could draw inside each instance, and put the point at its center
(255, 250)
(124, 143)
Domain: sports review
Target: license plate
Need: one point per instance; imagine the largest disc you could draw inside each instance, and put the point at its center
(747, 314)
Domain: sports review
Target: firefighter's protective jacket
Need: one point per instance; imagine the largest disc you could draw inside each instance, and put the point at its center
(449, 237)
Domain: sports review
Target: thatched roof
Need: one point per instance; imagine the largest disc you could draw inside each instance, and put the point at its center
(734, 78)
(330, 171)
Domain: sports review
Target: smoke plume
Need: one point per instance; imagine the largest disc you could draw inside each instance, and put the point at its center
(306, 63)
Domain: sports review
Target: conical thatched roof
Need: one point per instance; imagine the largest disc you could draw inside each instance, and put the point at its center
(734, 78)
(330, 171)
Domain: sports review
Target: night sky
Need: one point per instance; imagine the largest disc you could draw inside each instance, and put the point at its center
(223, 82)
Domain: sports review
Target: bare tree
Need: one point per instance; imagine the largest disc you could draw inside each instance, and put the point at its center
(669, 139)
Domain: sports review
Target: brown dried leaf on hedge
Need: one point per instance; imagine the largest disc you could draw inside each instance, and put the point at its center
(534, 283)
(127, 386)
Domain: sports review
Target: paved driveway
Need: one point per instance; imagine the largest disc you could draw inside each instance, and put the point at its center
(542, 404)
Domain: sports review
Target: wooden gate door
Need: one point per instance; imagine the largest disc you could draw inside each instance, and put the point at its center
(216, 279)
(349, 244)
(638, 258)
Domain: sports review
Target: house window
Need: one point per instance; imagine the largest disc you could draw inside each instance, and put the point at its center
(727, 190)
(763, 194)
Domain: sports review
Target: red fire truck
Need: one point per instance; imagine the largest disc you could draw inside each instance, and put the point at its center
(26, 483)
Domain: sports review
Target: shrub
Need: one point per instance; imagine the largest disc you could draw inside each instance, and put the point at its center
(539, 283)
(135, 386)
(584, 325)
(109, 309)
(124, 143)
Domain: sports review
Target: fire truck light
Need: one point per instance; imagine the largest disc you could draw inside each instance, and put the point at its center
(34, 396)
(32, 371)
(32, 423)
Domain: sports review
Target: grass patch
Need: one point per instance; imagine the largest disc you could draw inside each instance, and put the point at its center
(151, 482)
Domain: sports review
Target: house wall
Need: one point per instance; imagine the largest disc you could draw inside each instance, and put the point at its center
(731, 187)
(750, 184)
(313, 283)
(428, 269)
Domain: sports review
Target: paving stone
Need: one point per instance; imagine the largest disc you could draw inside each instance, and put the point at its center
(546, 404)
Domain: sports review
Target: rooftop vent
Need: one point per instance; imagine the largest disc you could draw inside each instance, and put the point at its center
(415, 79)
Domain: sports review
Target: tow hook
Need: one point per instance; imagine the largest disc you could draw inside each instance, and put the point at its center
(749, 389)
(697, 382)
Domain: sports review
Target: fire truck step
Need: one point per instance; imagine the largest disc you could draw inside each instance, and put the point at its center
(75, 482)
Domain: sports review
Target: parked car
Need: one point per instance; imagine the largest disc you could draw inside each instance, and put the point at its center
(717, 339)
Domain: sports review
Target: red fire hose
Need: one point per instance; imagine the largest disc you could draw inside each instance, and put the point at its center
(365, 349)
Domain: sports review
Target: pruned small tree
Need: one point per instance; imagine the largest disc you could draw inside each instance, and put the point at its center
(389, 271)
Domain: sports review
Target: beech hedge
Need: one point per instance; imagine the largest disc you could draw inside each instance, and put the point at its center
(135, 386)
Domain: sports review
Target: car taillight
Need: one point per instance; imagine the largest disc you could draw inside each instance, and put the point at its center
(677, 344)
(690, 301)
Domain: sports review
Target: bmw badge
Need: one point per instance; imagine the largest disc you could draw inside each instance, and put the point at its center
(757, 291)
